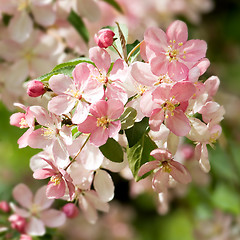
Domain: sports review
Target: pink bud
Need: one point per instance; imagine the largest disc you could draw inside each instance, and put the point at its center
(104, 38)
(4, 206)
(70, 210)
(17, 222)
(187, 151)
(35, 88)
(25, 237)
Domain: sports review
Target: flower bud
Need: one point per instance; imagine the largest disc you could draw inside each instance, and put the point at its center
(35, 88)
(4, 206)
(17, 222)
(104, 38)
(70, 210)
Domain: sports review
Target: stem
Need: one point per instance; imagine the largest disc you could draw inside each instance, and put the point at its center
(134, 49)
(74, 159)
(117, 51)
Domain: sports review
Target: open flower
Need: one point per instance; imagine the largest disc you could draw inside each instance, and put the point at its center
(164, 166)
(36, 210)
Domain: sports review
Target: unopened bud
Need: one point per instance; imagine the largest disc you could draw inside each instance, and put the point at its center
(104, 38)
(4, 206)
(18, 223)
(70, 210)
(25, 237)
(35, 88)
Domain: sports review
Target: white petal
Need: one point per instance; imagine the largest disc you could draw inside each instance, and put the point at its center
(103, 185)
(44, 15)
(53, 218)
(35, 227)
(20, 211)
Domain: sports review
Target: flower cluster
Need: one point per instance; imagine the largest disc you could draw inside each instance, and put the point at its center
(108, 113)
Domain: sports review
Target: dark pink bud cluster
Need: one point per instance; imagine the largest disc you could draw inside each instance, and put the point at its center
(17, 222)
(4, 206)
(104, 38)
(35, 88)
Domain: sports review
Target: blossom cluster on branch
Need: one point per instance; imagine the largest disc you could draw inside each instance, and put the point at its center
(127, 106)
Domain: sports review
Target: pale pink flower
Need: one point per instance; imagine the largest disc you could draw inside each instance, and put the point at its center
(79, 91)
(36, 210)
(23, 120)
(59, 179)
(173, 102)
(103, 122)
(170, 53)
(164, 166)
(51, 133)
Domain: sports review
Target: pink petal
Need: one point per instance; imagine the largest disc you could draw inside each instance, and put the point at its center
(177, 31)
(101, 58)
(178, 123)
(156, 119)
(99, 109)
(161, 154)
(43, 173)
(99, 136)
(61, 104)
(60, 83)
(20, 211)
(41, 199)
(81, 74)
(37, 140)
(203, 65)
(193, 50)
(179, 172)
(119, 70)
(141, 73)
(147, 167)
(159, 64)
(115, 109)
(177, 71)
(26, 199)
(162, 93)
(81, 112)
(212, 85)
(56, 190)
(183, 91)
(204, 162)
(41, 115)
(89, 125)
(160, 181)
(53, 218)
(103, 185)
(113, 91)
(114, 128)
(147, 105)
(23, 140)
(35, 227)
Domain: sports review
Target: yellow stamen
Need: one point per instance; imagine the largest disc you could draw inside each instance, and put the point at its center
(56, 180)
(23, 123)
(103, 122)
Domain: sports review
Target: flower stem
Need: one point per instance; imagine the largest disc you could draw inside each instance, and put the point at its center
(117, 51)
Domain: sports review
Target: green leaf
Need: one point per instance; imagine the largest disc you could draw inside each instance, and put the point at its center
(6, 18)
(112, 150)
(135, 133)
(226, 198)
(135, 53)
(64, 68)
(140, 154)
(114, 4)
(79, 25)
(128, 118)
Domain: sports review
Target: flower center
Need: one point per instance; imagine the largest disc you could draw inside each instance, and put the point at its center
(166, 167)
(49, 133)
(142, 89)
(163, 79)
(172, 54)
(103, 122)
(74, 93)
(34, 209)
(23, 123)
(56, 180)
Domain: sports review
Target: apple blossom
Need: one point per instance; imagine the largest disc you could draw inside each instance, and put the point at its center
(35, 88)
(104, 38)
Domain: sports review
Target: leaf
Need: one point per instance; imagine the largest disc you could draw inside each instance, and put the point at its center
(135, 133)
(76, 21)
(128, 118)
(140, 154)
(112, 150)
(123, 41)
(64, 68)
(134, 55)
(114, 4)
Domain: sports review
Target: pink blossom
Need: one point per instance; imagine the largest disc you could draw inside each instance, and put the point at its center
(170, 53)
(4, 206)
(36, 210)
(79, 91)
(164, 166)
(59, 179)
(25, 237)
(103, 122)
(104, 38)
(173, 102)
(35, 88)
(70, 210)
(23, 120)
